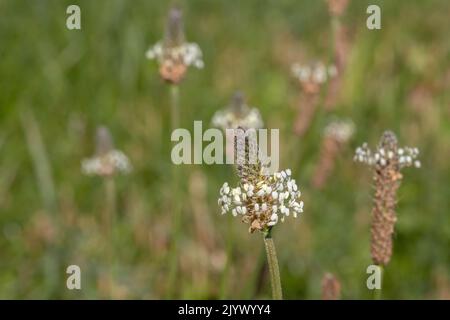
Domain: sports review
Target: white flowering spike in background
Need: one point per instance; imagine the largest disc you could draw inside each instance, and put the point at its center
(107, 160)
(406, 156)
(314, 73)
(238, 114)
(311, 78)
(173, 53)
(340, 130)
(336, 135)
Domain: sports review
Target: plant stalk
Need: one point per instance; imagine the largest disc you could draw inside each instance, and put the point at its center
(108, 224)
(176, 209)
(174, 106)
(377, 293)
(274, 270)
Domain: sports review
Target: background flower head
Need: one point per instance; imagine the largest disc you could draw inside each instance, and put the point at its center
(173, 53)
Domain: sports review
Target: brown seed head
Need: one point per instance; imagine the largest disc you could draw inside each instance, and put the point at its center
(387, 181)
(387, 161)
(331, 287)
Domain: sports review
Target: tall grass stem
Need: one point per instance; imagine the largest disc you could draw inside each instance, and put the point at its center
(46, 186)
(40, 160)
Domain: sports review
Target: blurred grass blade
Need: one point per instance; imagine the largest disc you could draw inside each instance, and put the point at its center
(40, 160)
(51, 259)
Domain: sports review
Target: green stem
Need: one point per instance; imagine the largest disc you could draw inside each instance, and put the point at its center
(225, 281)
(176, 209)
(273, 267)
(110, 194)
(108, 221)
(174, 106)
(377, 293)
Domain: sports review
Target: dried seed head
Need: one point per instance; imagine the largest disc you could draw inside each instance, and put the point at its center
(387, 161)
(261, 200)
(107, 161)
(331, 287)
(173, 53)
(238, 114)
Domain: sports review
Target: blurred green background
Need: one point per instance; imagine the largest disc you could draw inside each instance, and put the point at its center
(57, 86)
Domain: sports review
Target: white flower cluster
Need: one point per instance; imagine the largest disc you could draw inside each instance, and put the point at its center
(341, 130)
(268, 201)
(317, 73)
(406, 156)
(229, 119)
(107, 164)
(189, 54)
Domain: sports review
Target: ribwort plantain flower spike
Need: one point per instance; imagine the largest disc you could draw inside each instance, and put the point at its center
(387, 160)
(259, 200)
(313, 75)
(340, 130)
(173, 53)
(238, 114)
(336, 135)
(311, 78)
(107, 160)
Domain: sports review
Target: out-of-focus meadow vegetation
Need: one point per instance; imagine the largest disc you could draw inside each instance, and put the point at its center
(57, 86)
